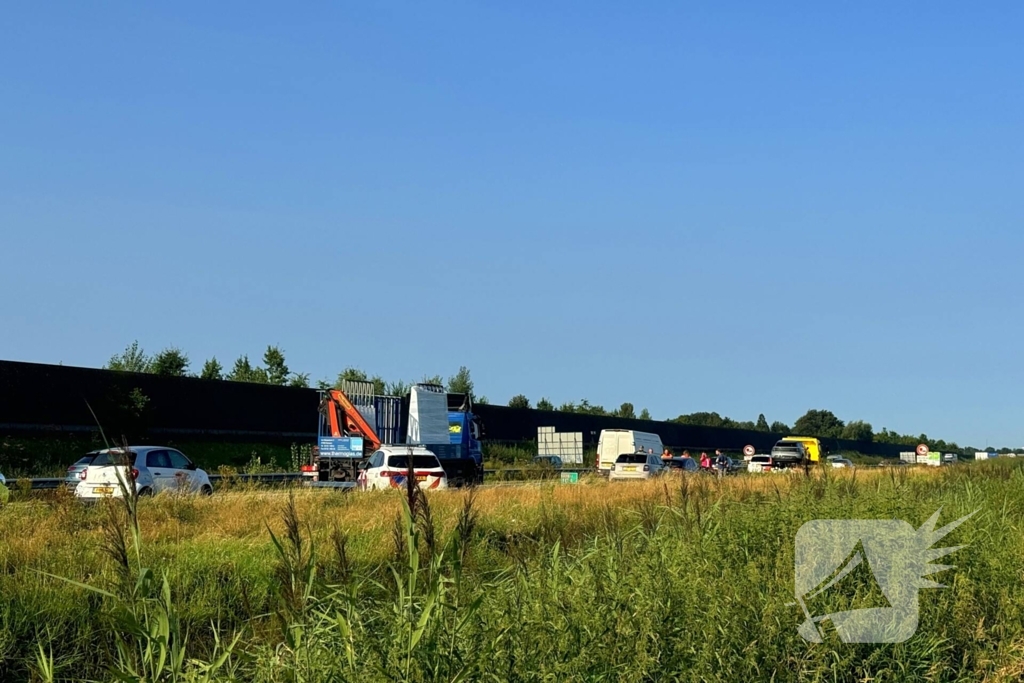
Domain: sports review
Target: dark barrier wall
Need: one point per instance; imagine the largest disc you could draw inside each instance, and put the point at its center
(34, 397)
(515, 424)
(43, 398)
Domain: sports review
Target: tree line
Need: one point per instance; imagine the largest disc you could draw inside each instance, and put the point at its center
(174, 362)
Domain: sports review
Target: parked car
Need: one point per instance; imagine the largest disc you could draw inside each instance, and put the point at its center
(790, 451)
(76, 473)
(840, 462)
(149, 469)
(636, 466)
(680, 465)
(548, 461)
(733, 465)
(388, 467)
(760, 463)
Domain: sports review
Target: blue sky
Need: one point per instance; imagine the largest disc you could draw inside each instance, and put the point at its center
(722, 206)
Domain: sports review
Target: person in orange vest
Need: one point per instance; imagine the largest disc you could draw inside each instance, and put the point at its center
(705, 461)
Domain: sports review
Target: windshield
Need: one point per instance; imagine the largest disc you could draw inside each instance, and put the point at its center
(112, 458)
(418, 461)
(85, 459)
(788, 446)
(632, 458)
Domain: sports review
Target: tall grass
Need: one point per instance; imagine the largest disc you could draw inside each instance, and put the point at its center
(678, 579)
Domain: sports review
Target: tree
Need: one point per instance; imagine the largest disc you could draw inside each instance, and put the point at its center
(519, 401)
(567, 407)
(762, 424)
(645, 414)
(461, 382)
(780, 428)
(545, 404)
(626, 410)
(435, 379)
(243, 371)
(132, 359)
(483, 400)
(858, 430)
(212, 369)
(587, 409)
(171, 362)
(276, 369)
(704, 420)
(397, 388)
(819, 423)
(300, 380)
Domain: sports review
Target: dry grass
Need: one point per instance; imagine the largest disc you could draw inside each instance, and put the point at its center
(695, 540)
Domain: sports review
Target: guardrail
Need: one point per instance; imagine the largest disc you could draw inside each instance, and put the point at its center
(43, 484)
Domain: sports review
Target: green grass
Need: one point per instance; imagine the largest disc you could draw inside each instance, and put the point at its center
(678, 579)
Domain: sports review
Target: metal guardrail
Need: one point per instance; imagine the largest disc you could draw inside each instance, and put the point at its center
(43, 484)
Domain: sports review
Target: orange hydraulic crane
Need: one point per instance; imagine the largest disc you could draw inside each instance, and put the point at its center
(344, 419)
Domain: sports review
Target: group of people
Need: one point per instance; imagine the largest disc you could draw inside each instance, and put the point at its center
(706, 463)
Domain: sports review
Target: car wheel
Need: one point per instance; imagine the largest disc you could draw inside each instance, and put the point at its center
(207, 490)
(145, 492)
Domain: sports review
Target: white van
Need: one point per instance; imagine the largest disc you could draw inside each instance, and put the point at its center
(614, 442)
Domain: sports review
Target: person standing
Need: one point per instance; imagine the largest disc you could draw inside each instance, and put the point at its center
(705, 461)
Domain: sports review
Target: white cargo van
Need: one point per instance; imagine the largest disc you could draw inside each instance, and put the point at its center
(614, 442)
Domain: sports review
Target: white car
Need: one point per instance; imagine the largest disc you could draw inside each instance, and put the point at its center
(760, 463)
(840, 462)
(150, 469)
(636, 466)
(388, 468)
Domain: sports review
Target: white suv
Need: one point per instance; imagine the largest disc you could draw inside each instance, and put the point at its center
(636, 466)
(150, 469)
(389, 467)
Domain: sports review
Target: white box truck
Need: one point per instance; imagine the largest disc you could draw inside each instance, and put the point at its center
(614, 442)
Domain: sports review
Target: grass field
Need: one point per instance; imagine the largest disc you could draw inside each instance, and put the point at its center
(679, 579)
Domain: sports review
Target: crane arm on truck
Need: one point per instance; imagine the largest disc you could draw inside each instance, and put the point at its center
(344, 420)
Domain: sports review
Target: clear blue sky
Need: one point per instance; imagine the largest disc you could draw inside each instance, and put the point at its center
(723, 207)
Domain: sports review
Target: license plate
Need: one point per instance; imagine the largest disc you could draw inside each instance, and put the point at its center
(629, 469)
(103, 491)
(421, 477)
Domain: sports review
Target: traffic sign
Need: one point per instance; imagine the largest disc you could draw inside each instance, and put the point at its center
(749, 450)
(922, 449)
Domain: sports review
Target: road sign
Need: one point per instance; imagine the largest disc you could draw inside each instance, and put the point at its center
(749, 450)
(922, 449)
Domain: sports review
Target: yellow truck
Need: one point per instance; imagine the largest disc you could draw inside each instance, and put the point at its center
(795, 450)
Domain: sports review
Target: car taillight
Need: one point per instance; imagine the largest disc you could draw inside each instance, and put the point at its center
(307, 468)
(81, 475)
(389, 473)
(135, 474)
(647, 468)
